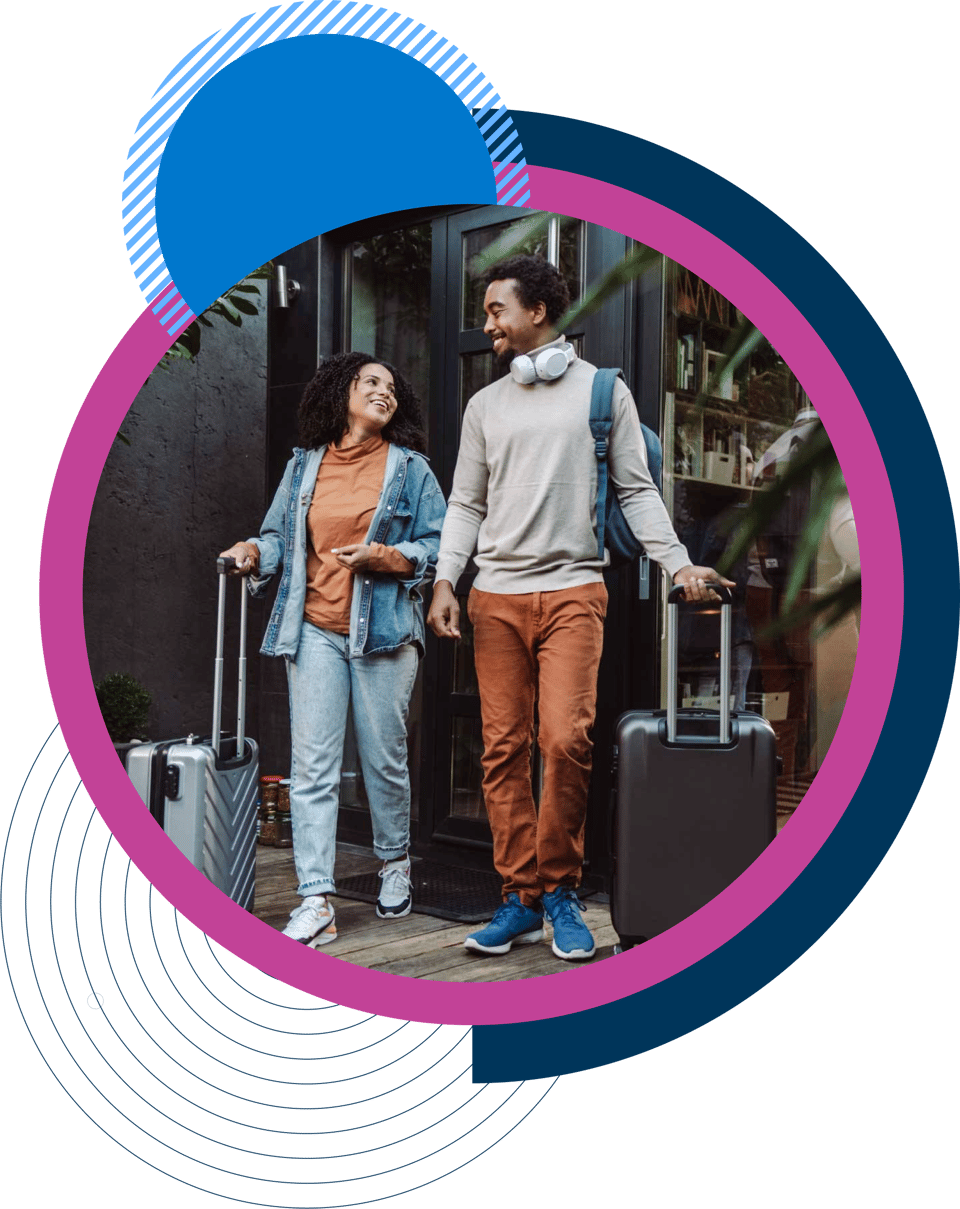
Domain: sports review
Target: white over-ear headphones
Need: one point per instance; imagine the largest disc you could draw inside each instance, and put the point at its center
(547, 365)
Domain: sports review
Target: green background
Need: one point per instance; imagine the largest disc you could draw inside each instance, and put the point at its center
(832, 1083)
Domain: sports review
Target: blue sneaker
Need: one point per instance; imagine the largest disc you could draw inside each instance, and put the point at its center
(572, 939)
(512, 923)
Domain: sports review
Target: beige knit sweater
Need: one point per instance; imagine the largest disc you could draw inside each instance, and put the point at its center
(525, 487)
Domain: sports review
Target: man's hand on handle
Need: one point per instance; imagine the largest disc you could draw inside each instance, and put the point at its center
(245, 555)
(444, 615)
(696, 583)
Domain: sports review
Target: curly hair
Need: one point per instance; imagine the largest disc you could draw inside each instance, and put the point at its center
(322, 416)
(537, 281)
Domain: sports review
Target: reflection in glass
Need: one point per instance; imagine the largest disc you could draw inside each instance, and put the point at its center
(464, 672)
(536, 244)
(390, 301)
(466, 775)
(477, 370)
(752, 424)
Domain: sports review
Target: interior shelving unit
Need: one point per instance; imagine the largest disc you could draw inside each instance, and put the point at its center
(717, 429)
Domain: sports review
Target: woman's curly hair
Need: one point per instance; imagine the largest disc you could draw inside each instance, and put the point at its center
(323, 409)
(537, 281)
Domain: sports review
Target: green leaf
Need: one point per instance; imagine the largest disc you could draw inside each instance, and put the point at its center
(816, 456)
(631, 267)
(223, 308)
(833, 608)
(243, 305)
(204, 320)
(743, 340)
(509, 243)
(189, 339)
(245, 289)
(808, 542)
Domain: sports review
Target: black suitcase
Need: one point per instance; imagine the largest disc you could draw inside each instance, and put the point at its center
(695, 799)
(203, 790)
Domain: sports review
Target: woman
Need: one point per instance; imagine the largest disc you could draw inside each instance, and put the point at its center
(354, 530)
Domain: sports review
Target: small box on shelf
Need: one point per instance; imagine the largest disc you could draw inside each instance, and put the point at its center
(718, 467)
(722, 385)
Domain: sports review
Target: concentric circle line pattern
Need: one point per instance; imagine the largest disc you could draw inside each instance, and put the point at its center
(339, 17)
(273, 1179)
(298, 1083)
(299, 1133)
(260, 1104)
(265, 1104)
(56, 877)
(270, 1003)
(169, 1057)
(284, 1032)
(284, 1082)
(266, 1053)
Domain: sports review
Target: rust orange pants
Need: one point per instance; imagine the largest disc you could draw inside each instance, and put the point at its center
(543, 649)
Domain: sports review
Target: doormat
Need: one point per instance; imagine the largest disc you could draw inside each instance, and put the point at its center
(462, 895)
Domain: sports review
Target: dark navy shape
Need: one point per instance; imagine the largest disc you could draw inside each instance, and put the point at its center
(893, 778)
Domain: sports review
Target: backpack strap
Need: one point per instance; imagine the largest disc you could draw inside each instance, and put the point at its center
(601, 421)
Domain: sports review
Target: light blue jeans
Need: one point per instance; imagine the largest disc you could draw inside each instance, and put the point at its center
(324, 683)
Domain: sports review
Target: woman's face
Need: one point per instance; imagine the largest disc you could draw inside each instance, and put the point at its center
(372, 401)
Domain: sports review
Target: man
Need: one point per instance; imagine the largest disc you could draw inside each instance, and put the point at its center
(524, 498)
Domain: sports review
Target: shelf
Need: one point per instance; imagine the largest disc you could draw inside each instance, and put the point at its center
(692, 478)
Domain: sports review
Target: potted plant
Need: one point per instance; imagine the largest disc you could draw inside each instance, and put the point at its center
(124, 704)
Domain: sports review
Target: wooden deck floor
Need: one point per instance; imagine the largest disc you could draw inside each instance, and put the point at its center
(419, 946)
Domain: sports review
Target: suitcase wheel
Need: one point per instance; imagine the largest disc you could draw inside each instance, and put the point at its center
(628, 942)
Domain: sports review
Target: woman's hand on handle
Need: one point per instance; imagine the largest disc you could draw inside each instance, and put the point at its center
(245, 555)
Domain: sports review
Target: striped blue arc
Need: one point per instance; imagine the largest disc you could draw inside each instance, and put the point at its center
(343, 17)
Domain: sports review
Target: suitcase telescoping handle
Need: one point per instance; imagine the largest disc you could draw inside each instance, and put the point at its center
(223, 566)
(674, 597)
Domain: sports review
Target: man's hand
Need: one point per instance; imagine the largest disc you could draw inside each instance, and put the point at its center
(696, 583)
(245, 555)
(444, 615)
(354, 558)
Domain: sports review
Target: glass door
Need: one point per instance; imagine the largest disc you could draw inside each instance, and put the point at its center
(474, 240)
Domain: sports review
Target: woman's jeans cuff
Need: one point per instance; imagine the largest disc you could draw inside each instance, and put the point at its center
(324, 886)
(391, 854)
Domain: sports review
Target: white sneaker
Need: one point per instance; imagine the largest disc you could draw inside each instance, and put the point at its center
(396, 893)
(312, 923)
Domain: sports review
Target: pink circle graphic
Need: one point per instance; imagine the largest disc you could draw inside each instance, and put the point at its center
(61, 610)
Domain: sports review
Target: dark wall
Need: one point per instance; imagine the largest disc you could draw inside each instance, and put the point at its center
(190, 483)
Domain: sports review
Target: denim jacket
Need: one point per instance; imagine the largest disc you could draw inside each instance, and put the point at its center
(386, 610)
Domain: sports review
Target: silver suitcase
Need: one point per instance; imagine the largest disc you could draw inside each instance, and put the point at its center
(203, 791)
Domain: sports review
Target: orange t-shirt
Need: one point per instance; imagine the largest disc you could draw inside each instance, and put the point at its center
(345, 498)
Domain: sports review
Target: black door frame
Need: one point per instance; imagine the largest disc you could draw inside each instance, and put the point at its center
(629, 336)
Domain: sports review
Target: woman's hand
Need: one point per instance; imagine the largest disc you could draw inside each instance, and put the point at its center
(355, 558)
(245, 555)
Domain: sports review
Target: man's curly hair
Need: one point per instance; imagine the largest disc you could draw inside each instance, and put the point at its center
(323, 409)
(537, 281)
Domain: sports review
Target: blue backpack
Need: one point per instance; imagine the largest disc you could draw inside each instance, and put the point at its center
(612, 528)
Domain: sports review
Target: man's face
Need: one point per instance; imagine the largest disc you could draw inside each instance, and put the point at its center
(511, 326)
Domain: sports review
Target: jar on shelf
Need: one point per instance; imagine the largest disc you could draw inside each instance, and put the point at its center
(283, 795)
(269, 829)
